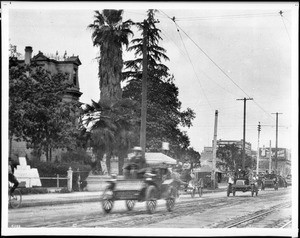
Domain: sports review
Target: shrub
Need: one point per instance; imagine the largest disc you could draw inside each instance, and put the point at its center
(48, 169)
(77, 156)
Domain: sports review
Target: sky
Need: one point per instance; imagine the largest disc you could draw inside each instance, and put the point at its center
(219, 52)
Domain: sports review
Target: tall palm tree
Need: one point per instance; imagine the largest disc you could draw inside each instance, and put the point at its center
(110, 33)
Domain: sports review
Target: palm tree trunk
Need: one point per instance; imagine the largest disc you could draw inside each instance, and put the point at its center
(120, 165)
(108, 157)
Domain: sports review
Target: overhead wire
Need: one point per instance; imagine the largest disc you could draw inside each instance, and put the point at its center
(224, 17)
(281, 16)
(173, 19)
(194, 70)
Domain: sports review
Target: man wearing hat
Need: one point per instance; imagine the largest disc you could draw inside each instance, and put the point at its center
(136, 163)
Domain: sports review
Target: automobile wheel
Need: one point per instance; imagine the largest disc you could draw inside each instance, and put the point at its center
(130, 204)
(170, 201)
(107, 200)
(151, 199)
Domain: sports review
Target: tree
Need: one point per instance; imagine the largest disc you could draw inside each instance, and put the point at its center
(113, 127)
(231, 158)
(193, 157)
(37, 112)
(110, 33)
(164, 114)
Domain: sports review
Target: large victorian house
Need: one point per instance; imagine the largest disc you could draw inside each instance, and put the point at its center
(54, 65)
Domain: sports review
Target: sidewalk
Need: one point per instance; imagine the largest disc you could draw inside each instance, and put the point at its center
(49, 199)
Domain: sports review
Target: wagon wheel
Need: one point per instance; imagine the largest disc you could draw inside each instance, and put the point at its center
(130, 204)
(170, 201)
(200, 191)
(151, 199)
(193, 192)
(107, 200)
(228, 191)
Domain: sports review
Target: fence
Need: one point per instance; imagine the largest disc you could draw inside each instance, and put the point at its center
(69, 179)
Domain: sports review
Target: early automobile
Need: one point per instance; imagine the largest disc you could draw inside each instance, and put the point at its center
(243, 184)
(149, 186)
(270, 181)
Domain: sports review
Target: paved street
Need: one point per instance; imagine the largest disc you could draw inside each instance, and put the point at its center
(213, 210)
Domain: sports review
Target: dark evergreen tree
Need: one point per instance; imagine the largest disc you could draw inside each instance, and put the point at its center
(164, 114)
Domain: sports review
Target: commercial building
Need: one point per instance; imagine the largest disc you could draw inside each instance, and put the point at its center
(283, 160)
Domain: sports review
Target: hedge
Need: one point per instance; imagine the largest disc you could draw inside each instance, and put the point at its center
(48, 169)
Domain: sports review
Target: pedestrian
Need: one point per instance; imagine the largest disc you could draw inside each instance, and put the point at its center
(11, 176)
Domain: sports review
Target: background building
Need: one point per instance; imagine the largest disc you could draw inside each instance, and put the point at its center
(283, 160)
(54, 64)
(238, 143)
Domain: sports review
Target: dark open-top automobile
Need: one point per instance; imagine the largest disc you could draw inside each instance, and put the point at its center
(242, 184)
(150, 185)
(273, 181)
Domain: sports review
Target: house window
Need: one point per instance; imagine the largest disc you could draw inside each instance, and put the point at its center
(75, 76)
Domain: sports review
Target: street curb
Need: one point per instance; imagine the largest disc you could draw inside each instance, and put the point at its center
(94, 198)
(58, 202)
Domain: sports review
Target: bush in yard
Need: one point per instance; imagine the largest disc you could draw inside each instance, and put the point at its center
(48, 169)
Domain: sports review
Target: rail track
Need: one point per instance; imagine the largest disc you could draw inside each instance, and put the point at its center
(261, 215)
(139, 217)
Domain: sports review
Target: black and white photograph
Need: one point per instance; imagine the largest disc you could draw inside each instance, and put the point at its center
(149, 118)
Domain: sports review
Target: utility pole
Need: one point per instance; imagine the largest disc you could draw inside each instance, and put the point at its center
(276, 142)
(144, 92)
(270, 158)
(213, 175)
(244, 130)
(257, 159)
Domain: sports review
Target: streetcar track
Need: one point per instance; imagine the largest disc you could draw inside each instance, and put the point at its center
(286, 224)
(260, 215)
(139, 217)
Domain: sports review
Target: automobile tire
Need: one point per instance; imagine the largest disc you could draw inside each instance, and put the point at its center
(151, 199)
(130, 204)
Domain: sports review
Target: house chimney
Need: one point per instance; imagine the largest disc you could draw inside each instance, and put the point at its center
(28, 52)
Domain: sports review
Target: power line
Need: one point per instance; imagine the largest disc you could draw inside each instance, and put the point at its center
(281, 12)
(173, 19)
(224, 17)
(194, 70)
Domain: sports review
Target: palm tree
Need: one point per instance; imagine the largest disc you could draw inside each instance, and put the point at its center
(113, 128)
(110, 33)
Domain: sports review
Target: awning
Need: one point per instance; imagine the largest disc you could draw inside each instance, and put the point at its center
(206, 169)
(158, 158)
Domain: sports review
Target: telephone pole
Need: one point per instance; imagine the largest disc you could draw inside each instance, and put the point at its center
(244, 130)
(270, 158)
(276, 142)
(257, 162)
(144, 93)
(214, 151)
